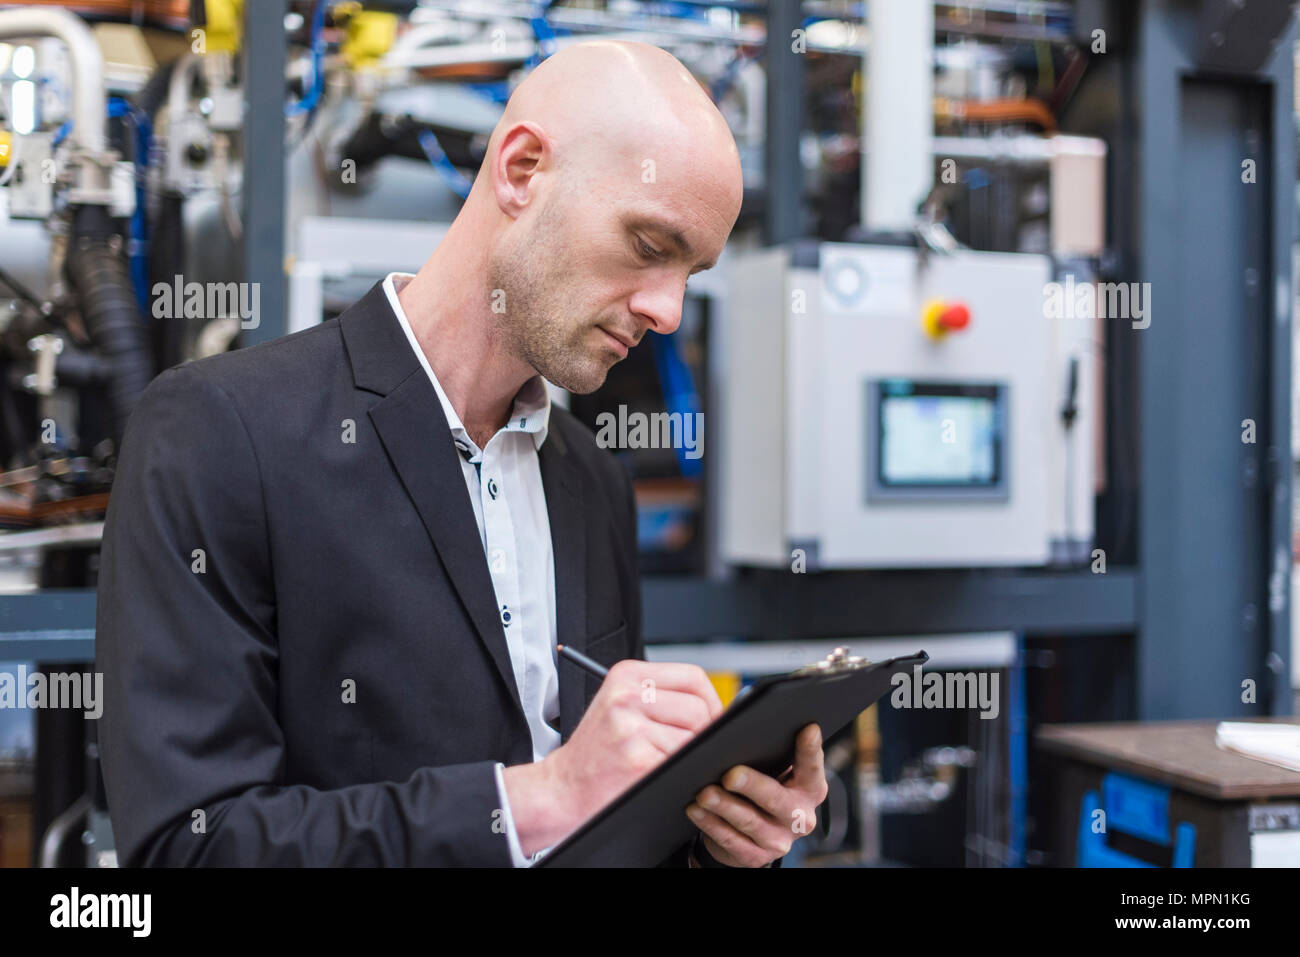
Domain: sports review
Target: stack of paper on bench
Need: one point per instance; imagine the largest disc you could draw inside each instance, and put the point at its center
(1272, 743)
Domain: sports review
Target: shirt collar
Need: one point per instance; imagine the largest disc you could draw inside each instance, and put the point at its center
(531, 412)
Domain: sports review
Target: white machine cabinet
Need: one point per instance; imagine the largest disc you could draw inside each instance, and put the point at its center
(885, 409)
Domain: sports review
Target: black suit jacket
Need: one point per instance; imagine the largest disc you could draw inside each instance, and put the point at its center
(256, 566)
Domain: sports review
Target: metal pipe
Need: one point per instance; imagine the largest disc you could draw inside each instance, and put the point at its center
(489, 51)
(576, 19)
(783, 104)
(1018, 8)
(89, 108)
(1019, 150)
(446, 30)
(178, 88)
(898, 121)
(62, 829)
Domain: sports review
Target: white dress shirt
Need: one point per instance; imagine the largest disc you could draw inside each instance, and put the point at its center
(504, 480)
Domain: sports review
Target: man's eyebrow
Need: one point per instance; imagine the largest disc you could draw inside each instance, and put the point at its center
(675, 236)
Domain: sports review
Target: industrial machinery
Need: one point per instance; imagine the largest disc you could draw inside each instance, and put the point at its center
(868, 404)
(921, 363)
(149, 156)
(79, 338)
(889, 408)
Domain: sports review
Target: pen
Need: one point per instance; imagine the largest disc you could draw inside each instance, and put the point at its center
(582, 661)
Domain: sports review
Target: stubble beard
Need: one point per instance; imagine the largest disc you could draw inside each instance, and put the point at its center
(537, 325)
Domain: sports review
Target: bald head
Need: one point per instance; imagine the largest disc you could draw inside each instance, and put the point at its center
(610, 178)
(614, 97)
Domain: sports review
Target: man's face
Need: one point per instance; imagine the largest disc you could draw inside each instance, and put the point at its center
(595, 270)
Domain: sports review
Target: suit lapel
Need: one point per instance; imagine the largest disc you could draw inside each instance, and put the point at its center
(414, 432)
(563, 484)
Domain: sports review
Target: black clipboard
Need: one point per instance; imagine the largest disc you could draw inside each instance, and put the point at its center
(647, 822)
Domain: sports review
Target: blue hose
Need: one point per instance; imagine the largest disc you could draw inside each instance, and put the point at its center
(138, 245)
(313, 94)
(450, 175)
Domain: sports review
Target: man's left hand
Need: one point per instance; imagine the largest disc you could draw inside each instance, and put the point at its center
(753, 819)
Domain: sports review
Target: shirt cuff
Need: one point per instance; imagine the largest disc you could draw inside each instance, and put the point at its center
(517, 856)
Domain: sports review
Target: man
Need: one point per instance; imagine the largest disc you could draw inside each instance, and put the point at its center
(336, 565)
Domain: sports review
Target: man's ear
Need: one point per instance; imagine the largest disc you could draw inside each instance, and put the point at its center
(525, 149)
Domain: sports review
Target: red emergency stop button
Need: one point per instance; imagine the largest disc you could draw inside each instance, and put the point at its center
(956, 316)
(940, 317)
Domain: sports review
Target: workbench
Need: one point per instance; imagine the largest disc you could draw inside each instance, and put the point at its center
(1161, 794)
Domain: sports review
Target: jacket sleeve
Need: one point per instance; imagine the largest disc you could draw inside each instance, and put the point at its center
(193, 753)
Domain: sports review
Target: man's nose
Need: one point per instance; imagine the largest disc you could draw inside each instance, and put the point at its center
(659, 306)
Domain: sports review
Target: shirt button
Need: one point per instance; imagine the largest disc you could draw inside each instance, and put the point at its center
(492, 488)
(505, 615)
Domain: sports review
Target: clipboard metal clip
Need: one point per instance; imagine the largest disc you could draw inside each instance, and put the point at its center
(837, 661)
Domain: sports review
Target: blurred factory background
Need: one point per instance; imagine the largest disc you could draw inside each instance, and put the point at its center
(997, 365)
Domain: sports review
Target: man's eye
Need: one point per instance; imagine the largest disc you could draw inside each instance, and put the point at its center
(645, 250)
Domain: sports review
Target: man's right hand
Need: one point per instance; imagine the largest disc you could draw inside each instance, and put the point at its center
(642, 713)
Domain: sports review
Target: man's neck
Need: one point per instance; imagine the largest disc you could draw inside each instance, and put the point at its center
(454, 326)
